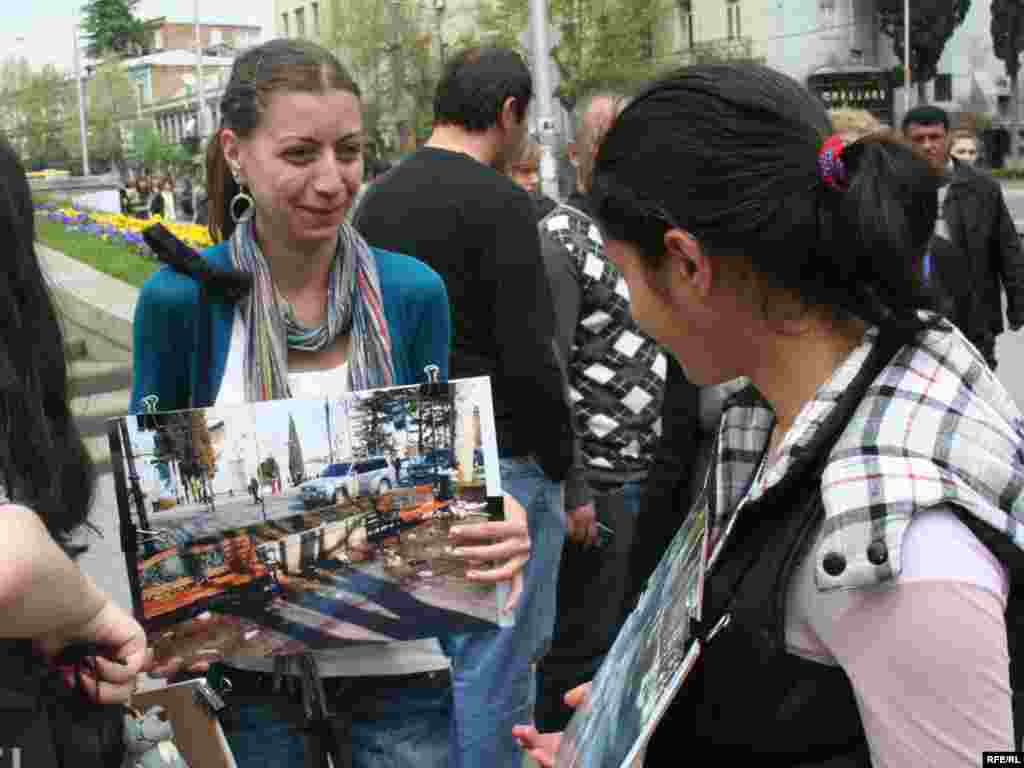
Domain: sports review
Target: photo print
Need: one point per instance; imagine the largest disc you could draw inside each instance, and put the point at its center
(285, 526)
(651, 657)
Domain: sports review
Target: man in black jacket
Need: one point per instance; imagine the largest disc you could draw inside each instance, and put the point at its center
(976, 253)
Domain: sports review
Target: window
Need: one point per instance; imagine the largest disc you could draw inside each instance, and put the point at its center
(944, 87)
(216, 36)
(284, 22)
(686, 23)
(158, 40)
(300, 22)
(315, 11)
(732, 11)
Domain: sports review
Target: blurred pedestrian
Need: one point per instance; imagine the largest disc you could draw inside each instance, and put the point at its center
(963, 146)
(975, 254)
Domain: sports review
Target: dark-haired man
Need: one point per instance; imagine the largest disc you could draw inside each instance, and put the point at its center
(976, 252)
(450, 204)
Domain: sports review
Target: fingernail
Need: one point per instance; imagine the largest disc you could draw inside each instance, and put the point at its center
(456, 531)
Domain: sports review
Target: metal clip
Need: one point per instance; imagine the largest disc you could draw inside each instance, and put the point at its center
(719, 626)
(209, 698)
(432, 371)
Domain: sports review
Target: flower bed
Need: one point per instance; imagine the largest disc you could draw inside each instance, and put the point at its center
(124, 229)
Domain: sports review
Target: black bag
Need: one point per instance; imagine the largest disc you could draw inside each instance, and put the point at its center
(44, 723)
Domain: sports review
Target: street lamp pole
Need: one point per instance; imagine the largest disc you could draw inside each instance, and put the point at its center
(906, 54)
(83, 134)
(199, 76)
(545, 102)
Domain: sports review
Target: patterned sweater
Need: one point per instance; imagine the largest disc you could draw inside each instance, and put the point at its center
(616, 373)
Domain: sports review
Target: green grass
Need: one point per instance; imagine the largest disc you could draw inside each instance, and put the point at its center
(114, 259)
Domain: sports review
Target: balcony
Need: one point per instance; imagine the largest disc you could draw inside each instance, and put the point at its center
(720, 49)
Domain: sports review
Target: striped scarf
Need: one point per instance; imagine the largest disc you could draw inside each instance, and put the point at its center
(354, 306)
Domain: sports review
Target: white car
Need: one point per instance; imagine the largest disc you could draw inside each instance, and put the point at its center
(349, 479)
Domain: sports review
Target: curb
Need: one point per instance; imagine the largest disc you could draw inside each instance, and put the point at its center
(91, 304)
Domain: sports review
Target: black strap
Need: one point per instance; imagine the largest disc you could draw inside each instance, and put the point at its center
(811, 460)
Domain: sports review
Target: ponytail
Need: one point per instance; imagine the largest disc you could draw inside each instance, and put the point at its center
(221, 188)
(874, 235)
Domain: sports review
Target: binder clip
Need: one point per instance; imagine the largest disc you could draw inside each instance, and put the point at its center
(209, 699)
(434, 388)
(496, 508)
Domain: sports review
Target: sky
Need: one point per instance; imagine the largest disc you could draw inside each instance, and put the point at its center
(43, 30)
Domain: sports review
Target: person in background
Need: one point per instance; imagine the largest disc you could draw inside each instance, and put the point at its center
(975, 254)
(616, 376)
(169, 205)
(462, 215)
(47, 486)
(963, 146)
(333, 315)
(525, 171)
(145, 191)
(867, 480)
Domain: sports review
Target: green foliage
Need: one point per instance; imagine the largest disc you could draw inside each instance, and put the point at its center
(932, 23)
(111, 27)
(392, 52)
(110, 97)
(32, 108)
(604, 43)
(150, 149)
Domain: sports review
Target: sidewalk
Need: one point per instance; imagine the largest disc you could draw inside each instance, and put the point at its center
(93, 306)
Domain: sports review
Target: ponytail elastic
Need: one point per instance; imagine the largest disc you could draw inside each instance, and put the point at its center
(832, 168)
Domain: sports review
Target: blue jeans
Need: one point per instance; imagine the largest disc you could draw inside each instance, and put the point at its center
(390, 728)
(494, 672)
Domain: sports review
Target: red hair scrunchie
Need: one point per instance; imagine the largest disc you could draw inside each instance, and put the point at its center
(831, 166)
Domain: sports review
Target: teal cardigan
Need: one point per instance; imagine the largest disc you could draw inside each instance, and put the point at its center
(181, 343)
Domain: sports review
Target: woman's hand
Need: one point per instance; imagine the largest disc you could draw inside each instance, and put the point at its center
(114, 677)
(543, 747)
(505, 542)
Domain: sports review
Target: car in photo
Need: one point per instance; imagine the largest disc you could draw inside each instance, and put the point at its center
(349, 479)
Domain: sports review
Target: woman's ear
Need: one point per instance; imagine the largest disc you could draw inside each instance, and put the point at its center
(688, 261)
(232, 149)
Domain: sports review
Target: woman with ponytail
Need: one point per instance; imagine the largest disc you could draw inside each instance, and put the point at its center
(863, 498)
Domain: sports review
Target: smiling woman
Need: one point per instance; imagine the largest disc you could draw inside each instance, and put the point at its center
(326, 313)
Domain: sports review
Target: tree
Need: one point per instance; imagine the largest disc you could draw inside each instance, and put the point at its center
(110, 96)
(388, 47)
(296, 465)
(604, 43)
(111, 27)
(932, 23)
(32, 106)
(1008, 44)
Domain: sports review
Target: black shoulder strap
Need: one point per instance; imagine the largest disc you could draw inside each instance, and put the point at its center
(230, 284)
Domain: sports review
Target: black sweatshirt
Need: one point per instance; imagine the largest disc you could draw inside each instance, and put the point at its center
(478, 230)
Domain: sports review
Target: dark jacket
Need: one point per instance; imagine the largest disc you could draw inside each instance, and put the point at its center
(988, 257)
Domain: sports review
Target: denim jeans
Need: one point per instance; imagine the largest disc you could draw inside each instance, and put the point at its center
(592, 595)
(390, 728)
(494, 672)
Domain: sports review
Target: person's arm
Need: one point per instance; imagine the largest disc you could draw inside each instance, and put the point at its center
(46, 597)
(1010, 264)
(431, 342)
(524, 321)
(163, 335)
